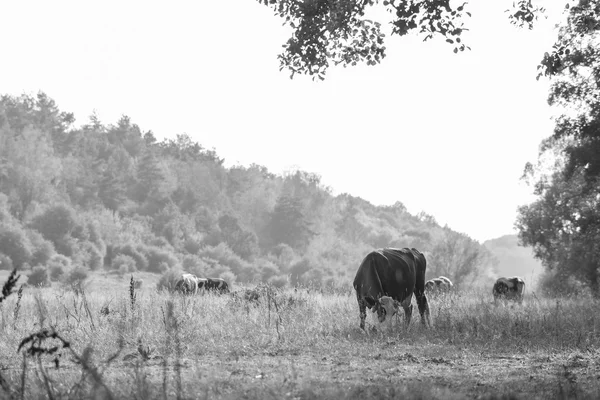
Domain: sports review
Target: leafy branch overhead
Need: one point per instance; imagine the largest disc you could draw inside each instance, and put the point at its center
(333, 32)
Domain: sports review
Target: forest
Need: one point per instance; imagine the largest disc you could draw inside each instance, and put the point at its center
(111, 197)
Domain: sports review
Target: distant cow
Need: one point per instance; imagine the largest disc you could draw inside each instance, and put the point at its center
(448, 281)
(439, 285)
(387, 279)
(217, 284)
(187, 284)
(509, 288)
(201, 284)
(137, 283)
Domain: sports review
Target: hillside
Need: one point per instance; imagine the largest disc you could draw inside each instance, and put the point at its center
(514, 259)
(112, 197)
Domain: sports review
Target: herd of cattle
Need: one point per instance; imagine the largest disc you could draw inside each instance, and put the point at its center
(385, 281)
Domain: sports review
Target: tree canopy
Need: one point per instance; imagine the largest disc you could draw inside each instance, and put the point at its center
(563, 224)
(333, 32)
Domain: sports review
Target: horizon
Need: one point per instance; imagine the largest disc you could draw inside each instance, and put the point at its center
(423, 119)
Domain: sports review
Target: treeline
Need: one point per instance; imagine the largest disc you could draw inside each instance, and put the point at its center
(96, 196)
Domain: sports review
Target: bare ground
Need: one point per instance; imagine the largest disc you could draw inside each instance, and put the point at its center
(378, 370)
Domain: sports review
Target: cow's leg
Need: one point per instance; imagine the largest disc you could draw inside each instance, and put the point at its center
(423, 305)
(408, 314)
(362, 309)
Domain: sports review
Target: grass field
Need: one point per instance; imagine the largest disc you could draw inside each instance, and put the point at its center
(292, 345)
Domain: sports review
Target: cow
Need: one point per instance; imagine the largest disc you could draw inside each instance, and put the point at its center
(202, 285)
(441, 284)
(137, 283)
(217, 284)
(187, 284)
(386, 279)
(509, 288)
(448, 281)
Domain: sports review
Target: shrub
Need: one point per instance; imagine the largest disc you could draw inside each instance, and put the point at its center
(66, 246)
(168, 280)
(42, 249)
(5, 262)
(131, 250)
(299, 269)
(39, 277)
(56, 271)
(89, 256)
(229, 277)
(123, 263)
(278, 281)
(192, 245)
(55, 222)
(15, 244)
(76, 276)
(268, 269)
(226, 257)
(158, 259)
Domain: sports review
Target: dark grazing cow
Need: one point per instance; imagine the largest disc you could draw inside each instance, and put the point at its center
(187, 284)
(217, 284)
(509, 288)
(387, 278)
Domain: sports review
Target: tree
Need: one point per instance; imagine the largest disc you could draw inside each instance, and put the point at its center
(563, 224)
(288, 224)
(332, 32)
(458, 257)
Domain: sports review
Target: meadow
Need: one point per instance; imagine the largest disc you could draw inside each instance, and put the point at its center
(111, 341)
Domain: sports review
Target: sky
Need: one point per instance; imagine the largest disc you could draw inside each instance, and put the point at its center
(444, 133)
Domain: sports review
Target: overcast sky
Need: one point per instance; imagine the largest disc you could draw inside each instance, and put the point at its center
(444, 133)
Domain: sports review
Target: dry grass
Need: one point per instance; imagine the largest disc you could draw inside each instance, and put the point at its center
(130, 343)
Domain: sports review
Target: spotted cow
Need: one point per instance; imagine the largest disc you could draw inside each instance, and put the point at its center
(509, 289)
(387, 279)
(438, 285)
(187, 284)
(218, 285)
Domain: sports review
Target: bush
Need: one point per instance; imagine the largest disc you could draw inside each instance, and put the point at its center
(168, 280)
(56, 272)
(5, 262)
(39, 277)
(67, 246)
(229, 277)
(55, 222)
(123, 264)
(128, 249)
(226, 257)
(268, 269)
(299, 269)
(192, 245)
(57, 266)
(89, 256)
(76, 276)
(15, 244)
(159, 260)
(278, 281)
(42, 249)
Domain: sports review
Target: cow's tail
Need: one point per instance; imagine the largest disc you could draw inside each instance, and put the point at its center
(373, 265)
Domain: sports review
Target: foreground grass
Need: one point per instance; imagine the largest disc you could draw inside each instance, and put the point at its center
(145, 344)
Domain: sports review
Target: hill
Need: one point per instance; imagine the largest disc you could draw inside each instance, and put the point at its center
(112, 197)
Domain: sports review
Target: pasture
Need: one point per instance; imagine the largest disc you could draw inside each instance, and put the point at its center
(143, 344)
